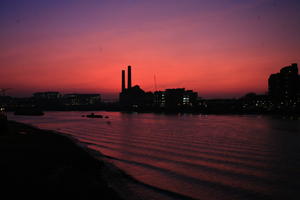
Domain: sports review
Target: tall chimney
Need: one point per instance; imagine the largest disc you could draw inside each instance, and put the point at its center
(129, 77)
(123, 80)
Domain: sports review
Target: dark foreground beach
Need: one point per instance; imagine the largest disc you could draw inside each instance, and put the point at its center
(37, 163)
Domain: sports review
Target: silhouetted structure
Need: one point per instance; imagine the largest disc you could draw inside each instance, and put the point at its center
(123, 80)
(47, 95)
(6, 101)
(254, 103)
(175, 98)
(129, 76)
(45, 100)
(283, 98)
(3, 119)
(159, 99)
(285, 85)
(134, 97)
(82, 99)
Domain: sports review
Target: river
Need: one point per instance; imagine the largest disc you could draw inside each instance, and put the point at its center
(192, 156)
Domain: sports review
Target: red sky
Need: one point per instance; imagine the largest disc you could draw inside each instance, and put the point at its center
(222, 48)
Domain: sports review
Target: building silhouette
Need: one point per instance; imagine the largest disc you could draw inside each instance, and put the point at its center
(175, 98)
(81, 99)
(133, 97)
(159, 99)
(285, 86)
(47, 95)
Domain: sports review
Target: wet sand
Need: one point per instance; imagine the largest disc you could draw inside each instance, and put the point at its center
(38, 163)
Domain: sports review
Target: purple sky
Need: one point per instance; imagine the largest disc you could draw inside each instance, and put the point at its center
(222, 48)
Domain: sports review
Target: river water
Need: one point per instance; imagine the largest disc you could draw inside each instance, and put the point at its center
(192, 156)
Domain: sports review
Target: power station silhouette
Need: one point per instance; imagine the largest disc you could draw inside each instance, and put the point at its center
(133, 96)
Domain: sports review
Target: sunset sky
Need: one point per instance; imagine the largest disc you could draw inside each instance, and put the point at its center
(219, 48)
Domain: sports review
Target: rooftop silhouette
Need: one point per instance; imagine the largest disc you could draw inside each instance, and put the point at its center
(283, 97)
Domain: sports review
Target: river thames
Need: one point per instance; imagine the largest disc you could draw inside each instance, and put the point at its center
(191, 156)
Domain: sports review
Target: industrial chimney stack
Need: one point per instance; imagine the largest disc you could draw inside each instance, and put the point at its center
(123, 80)
(129, 77)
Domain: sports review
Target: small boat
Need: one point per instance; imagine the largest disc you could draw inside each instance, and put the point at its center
(92, 115)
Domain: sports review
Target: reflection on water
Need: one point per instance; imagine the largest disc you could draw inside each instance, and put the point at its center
(193, 156)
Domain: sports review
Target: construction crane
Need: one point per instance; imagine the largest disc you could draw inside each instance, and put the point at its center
(3, 91)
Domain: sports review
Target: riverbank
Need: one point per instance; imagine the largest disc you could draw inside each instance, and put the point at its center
(38, 163)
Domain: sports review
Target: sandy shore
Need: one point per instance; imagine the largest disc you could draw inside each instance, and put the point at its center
(38, 163)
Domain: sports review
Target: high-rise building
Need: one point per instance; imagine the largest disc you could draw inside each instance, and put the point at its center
(285, 85)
